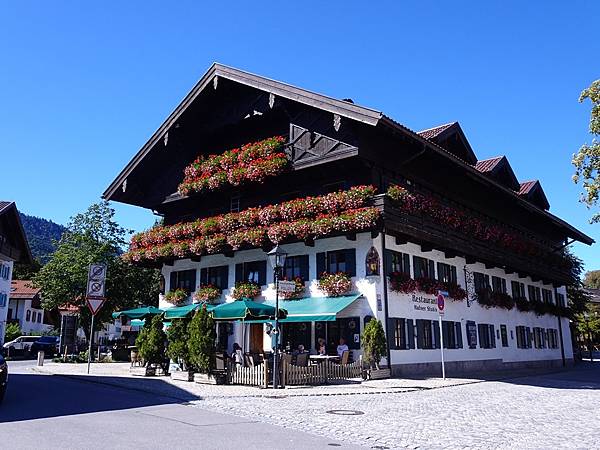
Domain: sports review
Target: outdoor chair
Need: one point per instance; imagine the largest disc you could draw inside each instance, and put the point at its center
(249, 360)
(302, 359)
(345, 357)
(286, 358)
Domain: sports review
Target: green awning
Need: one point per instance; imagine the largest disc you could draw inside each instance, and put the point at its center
(138, 322)
(245, 309)
(180, 312)
(313, 309)
(137, 313)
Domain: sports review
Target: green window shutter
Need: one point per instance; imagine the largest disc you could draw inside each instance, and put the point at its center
(420, 326)
(321, 264)
(351, 262)
(431, 270)
(391, 333)
(436, 334)
(173, 281)
(388, 256)
(492, 336)
(239, 272)
(410, 335)
(262, 273)
(304, 267)
(204, 276)
(459, 342)
(224, 277)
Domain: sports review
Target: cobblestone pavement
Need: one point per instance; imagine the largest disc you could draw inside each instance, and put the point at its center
(559, 410)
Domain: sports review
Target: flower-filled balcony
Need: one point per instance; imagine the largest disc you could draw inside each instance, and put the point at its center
(302, 219)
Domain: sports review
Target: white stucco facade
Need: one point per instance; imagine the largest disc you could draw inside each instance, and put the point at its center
(373, 303)
(6, 270)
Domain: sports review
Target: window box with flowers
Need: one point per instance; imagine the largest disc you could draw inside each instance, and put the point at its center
(246, 289)
(491, 299)
(176, 296)
(335, 284)
(403, 283)
(207, 294)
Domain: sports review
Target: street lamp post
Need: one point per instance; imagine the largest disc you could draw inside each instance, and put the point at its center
(277, 259)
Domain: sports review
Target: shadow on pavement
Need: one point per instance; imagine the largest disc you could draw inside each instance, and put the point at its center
(43, 396)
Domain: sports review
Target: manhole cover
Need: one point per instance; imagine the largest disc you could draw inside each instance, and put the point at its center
(345, 412)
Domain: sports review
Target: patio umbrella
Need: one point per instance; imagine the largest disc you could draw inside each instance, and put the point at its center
(138, 313)
(181, 312)
(245, 309)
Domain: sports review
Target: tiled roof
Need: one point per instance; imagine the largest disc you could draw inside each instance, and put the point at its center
(430, 133)
(487, 165)
(526, 187)
(22, 289)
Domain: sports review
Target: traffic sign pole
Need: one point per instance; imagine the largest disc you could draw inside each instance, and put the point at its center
(91, 340)
(441, 301)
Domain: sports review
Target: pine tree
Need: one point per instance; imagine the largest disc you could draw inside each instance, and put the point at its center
(178, 338)
(373, 342)
(151, 342)
(201, 343)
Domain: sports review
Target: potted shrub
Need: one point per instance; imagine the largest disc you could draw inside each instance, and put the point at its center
(177, 349)
(176, 296)
(151, 346)
(246, 289)
(335, 284)
(201, 346)
(207, 293)
(374, 348)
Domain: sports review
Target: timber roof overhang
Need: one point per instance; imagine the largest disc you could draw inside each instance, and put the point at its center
(15, 241)
(342, 108)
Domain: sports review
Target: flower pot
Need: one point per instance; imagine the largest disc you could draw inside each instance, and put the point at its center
(182, 375)
(205, 378)
(148, 371)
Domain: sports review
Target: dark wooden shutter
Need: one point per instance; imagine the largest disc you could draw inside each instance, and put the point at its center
(224, 277)
(406, 263)
(410, 336)
(480, 331)
(303, 261)
(321, 263)
(453, 277)
(173, 281)
(239, 272)
(439, 272)
(420, 326)
(459, 342)
(391, 333)
(388, 256)
(431, 270)
(446, 333)
(492, 336)
(204, 276)
(436, 334)
(262, 272)
(351, 262)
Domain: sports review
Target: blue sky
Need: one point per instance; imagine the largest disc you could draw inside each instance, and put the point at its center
(82, 88)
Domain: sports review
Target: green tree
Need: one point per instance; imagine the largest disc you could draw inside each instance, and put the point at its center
(587, 159)
(178, 336)
(26, 271)
(201, 342)
(373, 343)
(151, 341)
(591, 280)
(94, 237)
(13, 331)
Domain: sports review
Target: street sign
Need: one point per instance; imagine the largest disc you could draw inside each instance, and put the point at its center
(96, 281)
(287, 286)
(441, 303)
(95, 304)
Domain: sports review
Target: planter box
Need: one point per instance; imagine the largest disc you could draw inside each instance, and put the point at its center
(143, 371)
(182, 375)
(378, 374)
(204, 378)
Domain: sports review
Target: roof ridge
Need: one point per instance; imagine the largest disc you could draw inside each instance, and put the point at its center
(438, 126)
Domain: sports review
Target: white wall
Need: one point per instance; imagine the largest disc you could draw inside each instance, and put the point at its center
(400, 305)
(19, 309)
(5, 289)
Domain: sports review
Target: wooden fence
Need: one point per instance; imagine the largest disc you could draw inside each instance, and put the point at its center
(322, 373)
(257, 375)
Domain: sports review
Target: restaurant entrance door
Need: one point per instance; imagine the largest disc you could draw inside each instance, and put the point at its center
(256, 338)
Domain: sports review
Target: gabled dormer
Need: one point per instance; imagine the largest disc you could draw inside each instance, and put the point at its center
(499, 169)
(451, 137)
(532, 191)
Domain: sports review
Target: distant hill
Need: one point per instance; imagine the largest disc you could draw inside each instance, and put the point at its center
(41, 233)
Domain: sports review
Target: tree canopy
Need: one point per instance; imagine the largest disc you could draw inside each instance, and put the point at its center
(587, 159)
(591, 279)
(94, 237)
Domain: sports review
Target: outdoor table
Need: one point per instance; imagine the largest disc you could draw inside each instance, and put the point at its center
(321, 358)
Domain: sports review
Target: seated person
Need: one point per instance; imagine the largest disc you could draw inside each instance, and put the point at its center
(237, 355)
(321, 348)
(342, 347)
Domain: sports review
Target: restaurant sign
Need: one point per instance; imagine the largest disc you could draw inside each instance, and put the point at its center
(423, 303)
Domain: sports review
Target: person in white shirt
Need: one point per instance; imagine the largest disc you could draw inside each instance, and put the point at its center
(342, 347)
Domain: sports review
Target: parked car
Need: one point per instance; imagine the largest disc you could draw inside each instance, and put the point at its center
(20, 346)
(3, 377)
(47, 344)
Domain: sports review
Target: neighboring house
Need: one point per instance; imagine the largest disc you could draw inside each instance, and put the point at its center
(594, 295)
(25, 308)
(440, 219)
(13, 248)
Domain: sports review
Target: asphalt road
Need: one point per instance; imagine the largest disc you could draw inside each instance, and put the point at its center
(54, 412)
